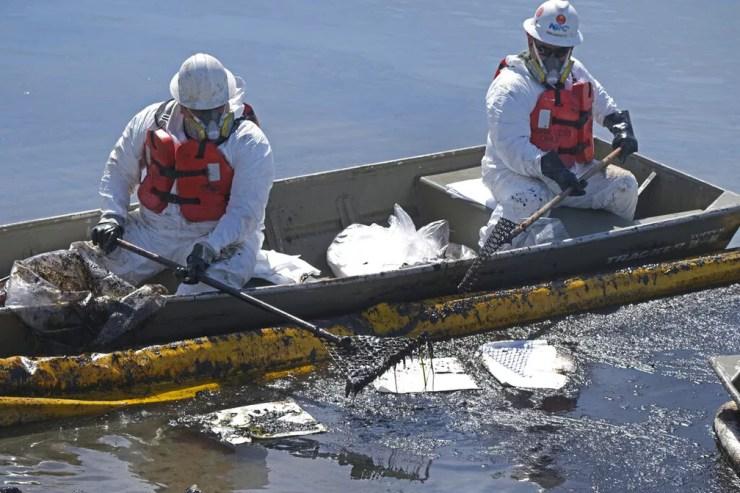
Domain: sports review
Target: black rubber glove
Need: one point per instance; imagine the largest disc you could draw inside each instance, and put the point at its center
(198, 261)
(106, 232)
(620, 125)
(553, 168)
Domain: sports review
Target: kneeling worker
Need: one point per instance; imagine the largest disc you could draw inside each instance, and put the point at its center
(541, 106)
(204, 171)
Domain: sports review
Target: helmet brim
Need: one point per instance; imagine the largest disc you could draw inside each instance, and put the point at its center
(175, 88)
(530, 26)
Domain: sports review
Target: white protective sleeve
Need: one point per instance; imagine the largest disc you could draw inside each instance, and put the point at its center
(122, 171)
(510, 99)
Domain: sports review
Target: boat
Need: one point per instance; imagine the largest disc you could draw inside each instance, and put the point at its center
(677, 216)
(727, 419)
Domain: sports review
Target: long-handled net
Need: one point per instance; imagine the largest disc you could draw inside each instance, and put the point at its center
(365, 358)
(360, 358)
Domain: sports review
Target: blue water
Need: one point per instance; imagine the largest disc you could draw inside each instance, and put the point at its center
(341, 83)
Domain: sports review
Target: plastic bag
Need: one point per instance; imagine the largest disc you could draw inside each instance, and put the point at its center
(360, 249)
(66, 296)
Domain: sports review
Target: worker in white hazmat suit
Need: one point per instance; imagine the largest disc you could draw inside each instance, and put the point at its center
(202, 170)
(541, 107)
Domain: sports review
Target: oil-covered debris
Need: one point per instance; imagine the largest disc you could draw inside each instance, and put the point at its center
(131, 312)
(368, 357)
(258, 421)
(67, 298)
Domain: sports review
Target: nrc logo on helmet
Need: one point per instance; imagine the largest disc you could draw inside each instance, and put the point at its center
(558, 28)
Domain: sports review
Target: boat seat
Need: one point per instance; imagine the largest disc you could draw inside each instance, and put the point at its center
(467, 217)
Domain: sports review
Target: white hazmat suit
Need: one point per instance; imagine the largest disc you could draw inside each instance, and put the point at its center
(511, 164)
(236, 237)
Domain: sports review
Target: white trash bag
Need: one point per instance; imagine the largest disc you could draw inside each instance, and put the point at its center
(361, 250)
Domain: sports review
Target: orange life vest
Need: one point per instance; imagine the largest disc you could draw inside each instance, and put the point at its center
(202, 172)
(562, 121)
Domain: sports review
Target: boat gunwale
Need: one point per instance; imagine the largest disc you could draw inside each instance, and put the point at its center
(90, 213)
(431, 267)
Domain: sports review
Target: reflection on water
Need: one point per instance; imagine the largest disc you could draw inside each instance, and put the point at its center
(369, 462)
(179, 460)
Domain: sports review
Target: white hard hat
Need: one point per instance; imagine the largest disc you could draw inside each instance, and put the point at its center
(202, 83)
(555, 22)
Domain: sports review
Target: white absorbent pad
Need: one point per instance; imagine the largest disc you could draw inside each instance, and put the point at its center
(526, 364)
(280, 268)
(472, 190)
(257, 421)
(425, 375)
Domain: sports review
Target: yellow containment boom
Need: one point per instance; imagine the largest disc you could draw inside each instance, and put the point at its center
(456, 316)
(268, 350)
(21, 410)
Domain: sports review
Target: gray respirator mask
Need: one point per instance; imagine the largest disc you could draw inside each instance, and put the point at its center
(551, 65)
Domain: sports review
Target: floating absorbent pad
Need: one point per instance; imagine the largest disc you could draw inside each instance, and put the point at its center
(425, 375)
(258, 421)
(525, 364)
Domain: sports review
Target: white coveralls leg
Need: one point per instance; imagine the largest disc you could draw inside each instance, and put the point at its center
(518, 197)
(511, 164)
